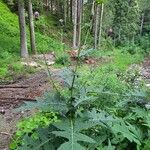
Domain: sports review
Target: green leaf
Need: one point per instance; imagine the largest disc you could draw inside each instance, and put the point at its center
(110, 147)
(67, 76)
(79, 125)
(71, 131)
(49, 102)
(71, 146)
(101, 118)
(74, 136)
(127, 131)
(147, 145)
(84, 98)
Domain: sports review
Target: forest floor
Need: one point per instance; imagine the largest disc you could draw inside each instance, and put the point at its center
(13, 95)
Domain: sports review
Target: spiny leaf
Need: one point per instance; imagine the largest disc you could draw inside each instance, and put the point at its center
(101, 118)
(71, 146)
(49, 102)
(116, 125)
(126, 131)
(84, 97)
(67, 76)
(74, 136)
(71, 131)
(79, 125)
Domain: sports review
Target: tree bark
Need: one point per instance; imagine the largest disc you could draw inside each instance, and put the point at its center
(47, 5)
(96, 29)
(75, 24)
(22, 26)
(68, 10)
(71, 10)
(65, 12)
(31, 27)
(101, 23)
(79, 17)
(51, 6)
(142, 22)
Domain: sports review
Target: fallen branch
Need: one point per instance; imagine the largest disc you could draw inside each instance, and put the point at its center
(7, 102)
(13, 86)
(6, 133)
(13, 98)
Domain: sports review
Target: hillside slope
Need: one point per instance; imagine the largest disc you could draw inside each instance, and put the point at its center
(9, 40)
(9, 31)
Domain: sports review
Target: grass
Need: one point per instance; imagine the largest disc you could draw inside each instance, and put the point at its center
(112, 74)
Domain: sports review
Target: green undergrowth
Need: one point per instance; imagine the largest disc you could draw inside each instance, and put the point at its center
(100, 107)
(29, 126)
(117, 74)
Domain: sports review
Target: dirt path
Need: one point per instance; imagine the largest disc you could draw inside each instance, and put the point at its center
(14, 94)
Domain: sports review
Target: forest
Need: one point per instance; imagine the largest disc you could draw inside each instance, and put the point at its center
(74, 74)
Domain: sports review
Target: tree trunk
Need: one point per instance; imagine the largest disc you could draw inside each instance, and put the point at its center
(79, 11)
(96, 29)
(68, 10)
(65, 12)
(22, 26)
(142, 22)
(93, 11)
(51, 6)
(31, 27)
(75, 24)
(101, 23)
(47, 5)
(71, 10)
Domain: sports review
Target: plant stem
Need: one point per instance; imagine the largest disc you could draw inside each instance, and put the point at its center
(49, 73)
